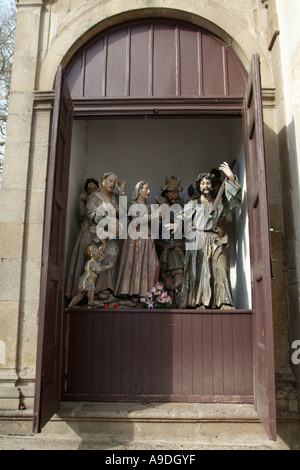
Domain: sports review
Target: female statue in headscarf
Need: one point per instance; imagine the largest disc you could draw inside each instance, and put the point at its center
(138, 269)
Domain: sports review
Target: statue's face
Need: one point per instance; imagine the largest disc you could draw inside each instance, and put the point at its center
(172, 196)
(144, 192)
(206, 187)
(109, 182)
(91, 188)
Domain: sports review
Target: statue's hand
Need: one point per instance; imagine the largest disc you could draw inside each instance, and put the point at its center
(159, 201)
(227, 171)
(120, 186)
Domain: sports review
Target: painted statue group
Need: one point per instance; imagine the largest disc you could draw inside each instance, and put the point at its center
(129, 252)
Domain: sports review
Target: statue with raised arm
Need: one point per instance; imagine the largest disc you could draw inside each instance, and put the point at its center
(205, 278)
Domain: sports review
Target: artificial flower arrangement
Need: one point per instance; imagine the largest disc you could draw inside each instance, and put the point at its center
(156, 298)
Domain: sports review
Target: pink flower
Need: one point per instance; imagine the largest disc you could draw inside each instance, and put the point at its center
(156, 297)
(150, 303)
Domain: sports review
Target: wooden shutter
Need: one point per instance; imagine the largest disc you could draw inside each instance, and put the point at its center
(47, 390)
(264, 382)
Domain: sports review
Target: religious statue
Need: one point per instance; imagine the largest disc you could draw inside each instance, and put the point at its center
(93, 267)
(138, 268)
(83, 239)
(103, 215)
(205, 278)
(169, 248)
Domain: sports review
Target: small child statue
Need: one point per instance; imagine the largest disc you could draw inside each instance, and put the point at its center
(86, 284)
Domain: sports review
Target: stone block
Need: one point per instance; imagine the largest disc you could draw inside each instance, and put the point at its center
(11, 237)
(34, 241)
(32, 279)
(10, 275)
(9, 315)
(36, 207)
(12, 205)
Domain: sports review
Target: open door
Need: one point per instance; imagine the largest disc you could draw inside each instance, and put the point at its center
(263, 348)
(47, 388)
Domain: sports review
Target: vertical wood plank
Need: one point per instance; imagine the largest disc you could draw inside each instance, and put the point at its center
(87, 353)
(200, 63)
(97, 339)
(141, 43)
(197, 336)
(76, 75)
(167, 365)
(95, 69)
(136, 355)
(228, 355)
(76, 372)
(177, 375)
(207, 355)
(156, 356)
(187, 355)
(225, 70)
(126, 341)
(190, 59)
(164, 60)
(151, 55)
(104, 72)
(107, 354)
(248, 354)
(117, 354)
(238, 354)
(146, 331)
(177, 61)
(217, 359)
(213, 72)
(116, 63)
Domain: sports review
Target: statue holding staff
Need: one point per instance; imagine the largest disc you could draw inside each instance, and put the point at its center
(205, 278)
